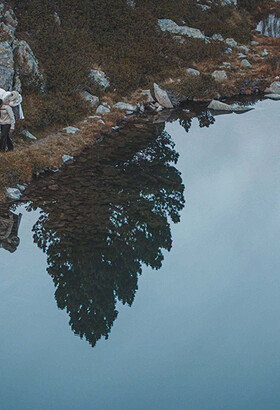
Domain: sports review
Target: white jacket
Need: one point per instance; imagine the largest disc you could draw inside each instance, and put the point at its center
(7, 116)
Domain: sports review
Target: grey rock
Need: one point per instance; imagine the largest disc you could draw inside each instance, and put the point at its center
(28, 135)
(254, 43)
(218, 37)
(57, 18)
(245, 49)
(219, 106)
(102, 109)
(240, 109)
(241, 55)
(13, 194)
(92, 99)
(274, 88)
(66, 158)
(71, 130)
(101, 122)
(245, 63)
(192, 71)
(275, 97)
(172, 27)
(219, 75)
(231, 42)
(162, 97)
(27, 64)
(125, 106)
(6, 66)
(99, 77)
(22, 187)
(265, 53)
(10, 18)
(228, 50)
(148, 96)
(7, 32)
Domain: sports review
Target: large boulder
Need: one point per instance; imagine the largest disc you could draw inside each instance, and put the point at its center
(6, 66)
(162, 97)
(27, 64)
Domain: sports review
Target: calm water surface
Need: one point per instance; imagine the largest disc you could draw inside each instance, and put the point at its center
(200, 330)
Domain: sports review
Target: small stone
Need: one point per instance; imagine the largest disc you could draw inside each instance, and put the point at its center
(28, 135)
(101, 122)
(218, 37)
(102, 109)
(231, 42)
(241, 55)
(265, 53)
(92, 99)
(219, 75)
(66, 158)
(228, 50)
(192, 71)
(22, 187)
(100, 78)
(71, 130)
(125, 106)
(245, 63)
(13, 194)
(254, 43)
(244, 49)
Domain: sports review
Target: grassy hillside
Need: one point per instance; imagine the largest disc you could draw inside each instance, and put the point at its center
(124, 41)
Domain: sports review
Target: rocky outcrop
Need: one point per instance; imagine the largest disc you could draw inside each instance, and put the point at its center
(17, 60)
(28, 66)
(6, 66)
(219, 106)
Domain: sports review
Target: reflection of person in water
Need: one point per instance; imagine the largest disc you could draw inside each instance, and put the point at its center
(9, 225)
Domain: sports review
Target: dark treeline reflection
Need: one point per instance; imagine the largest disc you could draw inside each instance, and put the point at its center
(105, 216)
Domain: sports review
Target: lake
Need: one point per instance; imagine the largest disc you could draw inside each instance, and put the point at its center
(146, 274)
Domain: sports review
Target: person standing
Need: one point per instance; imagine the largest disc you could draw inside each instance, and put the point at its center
(7, 124)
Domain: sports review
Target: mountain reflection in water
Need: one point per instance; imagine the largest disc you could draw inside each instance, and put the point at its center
(102, 218)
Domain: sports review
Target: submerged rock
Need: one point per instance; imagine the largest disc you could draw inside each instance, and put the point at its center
(219, 106)
(162, 97)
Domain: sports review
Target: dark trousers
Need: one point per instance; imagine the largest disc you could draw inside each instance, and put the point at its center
(5, 140)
